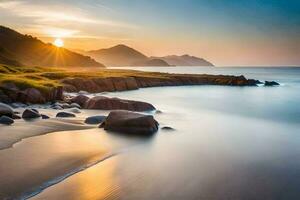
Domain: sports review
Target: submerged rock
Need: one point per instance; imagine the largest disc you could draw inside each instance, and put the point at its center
(65, 114)
(105, 103)
(271, 83)
(6, 110)
(131, 123)
(95, 119)
(167, 128)
(6, 120)
(30, 114)
(45, 116)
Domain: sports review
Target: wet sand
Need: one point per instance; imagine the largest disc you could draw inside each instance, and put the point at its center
(31, 164)
(9, 135)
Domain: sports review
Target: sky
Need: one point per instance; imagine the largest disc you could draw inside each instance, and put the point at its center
(225, 32)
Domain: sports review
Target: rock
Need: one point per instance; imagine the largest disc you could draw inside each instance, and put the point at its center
(131, 123)
(30, 114)
(32, 95)
(167, 128)
(271, 83)
(6, 110)
(65, 105)
(6, 120)
(15, 116)
(35, 110)
(65, 114)
(75, 105)
(80, 100)
(74, 110)
(57, 107)
(18, 105)
(45, 116)
(105, 103)
(95, 119)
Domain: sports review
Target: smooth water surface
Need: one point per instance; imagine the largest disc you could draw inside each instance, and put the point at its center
(229, 143)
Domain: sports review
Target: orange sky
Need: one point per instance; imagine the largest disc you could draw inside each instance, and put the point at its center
(238, 33)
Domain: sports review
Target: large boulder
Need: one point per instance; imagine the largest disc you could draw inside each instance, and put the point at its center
(30, 114)
(131, 123)
(6, 120)
(32, 95)
(105, 103)
(95, 119)
(65, 114)
(80, 100)
(6, 110)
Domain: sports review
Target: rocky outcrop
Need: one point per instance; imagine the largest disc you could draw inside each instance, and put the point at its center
(271, 83)
(95, 119)
(105, 103)
(101, 84)
(130, 123)
(80, 99)
(11, 93)
(65, 114)
(6, 110)
(6, 120)
(132, 83)
(32, 95)
(30, 114)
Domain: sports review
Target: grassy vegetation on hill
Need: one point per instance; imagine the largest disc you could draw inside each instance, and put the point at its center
(46, 78)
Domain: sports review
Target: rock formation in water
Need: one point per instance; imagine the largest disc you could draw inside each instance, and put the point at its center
(130, 123)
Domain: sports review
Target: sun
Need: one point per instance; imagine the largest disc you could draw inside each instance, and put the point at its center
(59, 42)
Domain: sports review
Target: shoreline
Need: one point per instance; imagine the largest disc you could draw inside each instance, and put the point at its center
(26, 174)
(41, 85)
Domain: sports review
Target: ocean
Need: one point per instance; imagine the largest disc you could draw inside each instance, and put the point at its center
(228, 143)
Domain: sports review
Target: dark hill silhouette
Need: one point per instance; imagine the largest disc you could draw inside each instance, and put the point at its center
(31, 51)
(120, 55)
(8, 58)
(151, 62)
(185, 60)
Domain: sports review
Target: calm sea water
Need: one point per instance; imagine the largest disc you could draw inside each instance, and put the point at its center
(229, 143)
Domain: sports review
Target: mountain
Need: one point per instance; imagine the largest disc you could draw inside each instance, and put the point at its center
(8, 58)
(31, 51)
(120, 55)
(151, 63)
(184, 60)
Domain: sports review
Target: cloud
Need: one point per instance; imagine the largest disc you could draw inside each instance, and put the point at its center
(52, 14)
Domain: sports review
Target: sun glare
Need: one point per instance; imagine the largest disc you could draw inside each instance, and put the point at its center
(59, 42)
